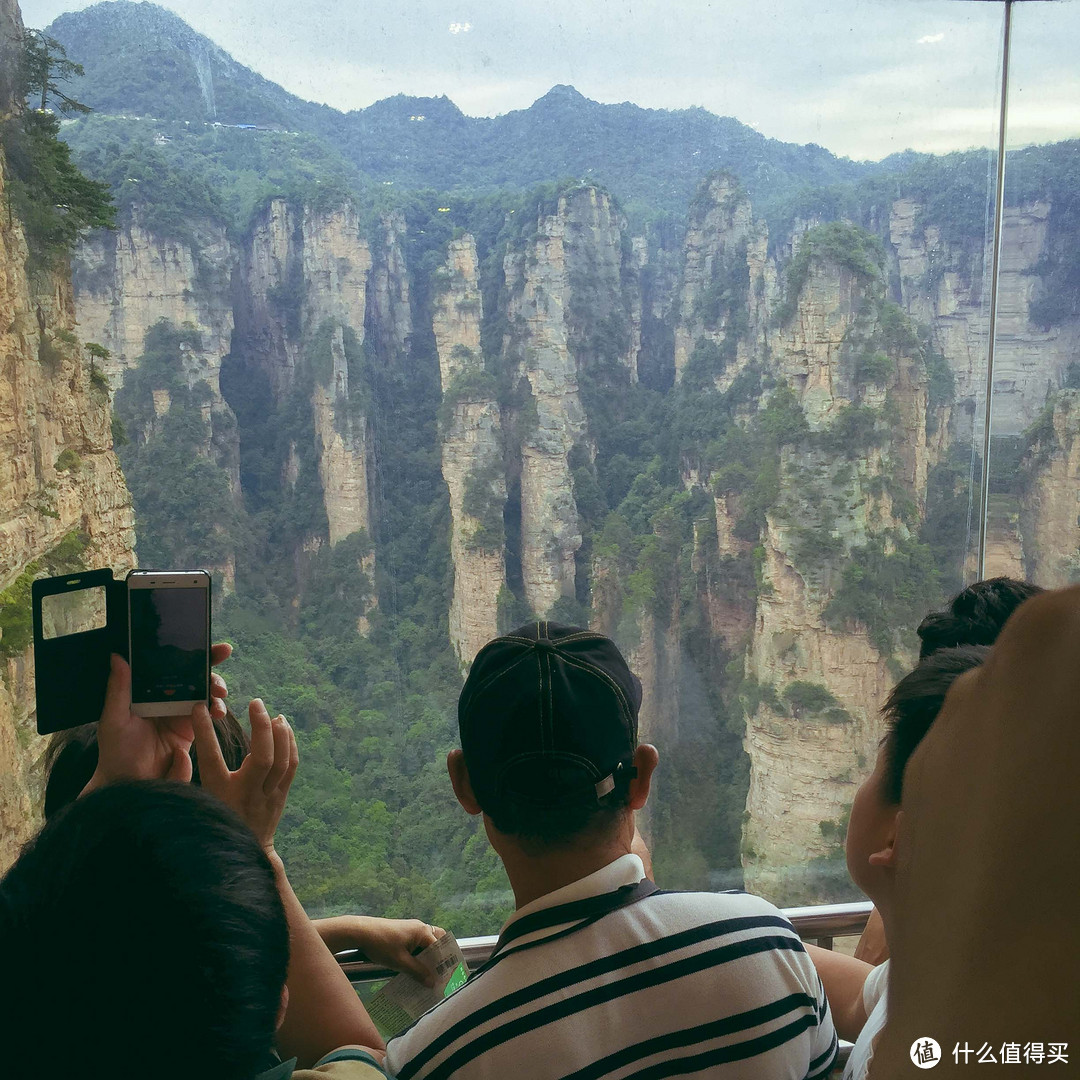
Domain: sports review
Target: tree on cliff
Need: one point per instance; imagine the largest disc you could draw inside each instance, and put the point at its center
(44, 66)
(54, 201)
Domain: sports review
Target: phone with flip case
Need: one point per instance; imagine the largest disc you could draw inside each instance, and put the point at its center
(79, 620)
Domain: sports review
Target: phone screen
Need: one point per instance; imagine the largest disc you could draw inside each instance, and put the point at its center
(169, 644)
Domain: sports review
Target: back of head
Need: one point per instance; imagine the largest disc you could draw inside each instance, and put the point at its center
(987, 943)
(142, 935)
(548, 720)
(913, 707)
(72, 756)
(975, 615)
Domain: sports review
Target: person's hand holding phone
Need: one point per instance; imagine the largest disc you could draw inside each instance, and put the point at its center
(132, 747)
(258, 789)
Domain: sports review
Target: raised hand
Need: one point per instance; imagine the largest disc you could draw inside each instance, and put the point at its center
(258, 789)
(132, 747)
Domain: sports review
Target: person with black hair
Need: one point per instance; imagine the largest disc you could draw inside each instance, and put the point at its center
(597, 970)
(103, 894)
(857, 991)
(975, 616)
(986, 935)
(186, 942)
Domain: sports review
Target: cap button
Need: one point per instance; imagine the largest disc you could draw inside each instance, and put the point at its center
(545, 645)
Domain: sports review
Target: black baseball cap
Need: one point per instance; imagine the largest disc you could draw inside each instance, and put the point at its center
(548, 716)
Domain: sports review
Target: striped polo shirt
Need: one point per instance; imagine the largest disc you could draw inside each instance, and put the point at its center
(605, 979)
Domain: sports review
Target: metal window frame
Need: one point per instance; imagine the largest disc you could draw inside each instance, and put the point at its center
(819, 924)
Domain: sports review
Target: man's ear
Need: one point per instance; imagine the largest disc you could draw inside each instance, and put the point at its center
(459, 777)
(646, 758)
(283, 1008)
(886, 854)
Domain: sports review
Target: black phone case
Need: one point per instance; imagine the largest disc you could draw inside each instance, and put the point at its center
(71, 673)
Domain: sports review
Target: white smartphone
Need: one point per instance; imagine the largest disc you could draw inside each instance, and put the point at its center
(168, 640)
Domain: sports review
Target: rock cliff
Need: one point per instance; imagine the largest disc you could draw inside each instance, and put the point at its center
(720, 304)
(944, 284)
(1048, 505)
(472, 455)
(256, 305)
(810, 746)
(302, 271)
(126, 280)
(63, 502)
(553, 418)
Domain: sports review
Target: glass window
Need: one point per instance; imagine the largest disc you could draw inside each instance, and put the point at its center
(668, 319)
(1032, 523)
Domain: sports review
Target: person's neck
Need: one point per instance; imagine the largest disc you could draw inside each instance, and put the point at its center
(533, 876)
(885, 910)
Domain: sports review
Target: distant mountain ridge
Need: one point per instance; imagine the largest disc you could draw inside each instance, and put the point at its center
(141, 59)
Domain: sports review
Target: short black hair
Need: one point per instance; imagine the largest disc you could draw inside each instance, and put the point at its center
(72, 756)
(914, 704)
(975, 615)
(142, 934)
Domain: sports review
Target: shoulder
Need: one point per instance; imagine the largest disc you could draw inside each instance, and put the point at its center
(876, 987)
(437, 1023)
(348, 1063)
(742, 909)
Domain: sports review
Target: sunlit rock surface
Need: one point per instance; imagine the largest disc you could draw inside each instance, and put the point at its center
(1051, 501)
(48, 408)
(472, 455)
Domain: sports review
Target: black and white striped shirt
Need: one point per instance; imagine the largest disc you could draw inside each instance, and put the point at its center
(602, 979)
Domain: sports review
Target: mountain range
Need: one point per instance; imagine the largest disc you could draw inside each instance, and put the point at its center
(142, 60)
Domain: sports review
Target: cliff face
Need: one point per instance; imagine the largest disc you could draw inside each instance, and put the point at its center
(725, 273)
(59, 482)
(945, 285)
(553, 420)
(1048, 506)
(262, 300)
(472, 455)
(125, 281)
(809, 750)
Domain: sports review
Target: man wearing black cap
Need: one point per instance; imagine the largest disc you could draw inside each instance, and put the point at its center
(598, 973)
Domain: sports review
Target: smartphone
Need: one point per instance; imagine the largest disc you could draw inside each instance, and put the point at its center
(168, 640)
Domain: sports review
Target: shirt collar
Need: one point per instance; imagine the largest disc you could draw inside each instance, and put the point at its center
(625, 870)
(282, 1071)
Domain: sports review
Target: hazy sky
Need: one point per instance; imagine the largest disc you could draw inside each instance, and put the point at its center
(861, 77)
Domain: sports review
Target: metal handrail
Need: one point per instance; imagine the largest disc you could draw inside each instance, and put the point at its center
(820, 924)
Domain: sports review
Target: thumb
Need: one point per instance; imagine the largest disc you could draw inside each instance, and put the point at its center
(180, 766)
(411, 966)
(212, 767)
(118, 690)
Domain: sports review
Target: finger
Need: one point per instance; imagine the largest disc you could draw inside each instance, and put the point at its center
(220, 653)
(261, 755)
(218, 687)
(411, 966)
(218, 709)
(294, 760)
(180, 766)
(212, 767)
(118, 690)
(422, 936)
(282, 754)
(437, 931)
